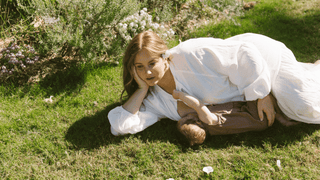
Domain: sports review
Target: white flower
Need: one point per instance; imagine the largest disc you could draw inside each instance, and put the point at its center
(144, 9)
(279, 164)
(155, 25)
(170, 179)
(143, 23)
(131, 24)
(128, 38)
(125, 26)
(171, 32)
(161, 27)
(165, 35)
(142, 27)
(208, 169)
(49, 100)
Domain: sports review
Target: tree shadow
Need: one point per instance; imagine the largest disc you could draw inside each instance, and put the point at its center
(64, 81)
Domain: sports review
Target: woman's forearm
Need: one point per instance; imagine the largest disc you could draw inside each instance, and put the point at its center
(202, 110)
(135, 101)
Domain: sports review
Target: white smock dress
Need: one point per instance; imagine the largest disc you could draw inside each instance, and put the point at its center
(245, 67)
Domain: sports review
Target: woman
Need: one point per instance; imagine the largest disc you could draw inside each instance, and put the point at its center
(242, 68)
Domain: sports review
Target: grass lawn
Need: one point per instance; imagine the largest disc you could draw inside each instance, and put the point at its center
(71, 139)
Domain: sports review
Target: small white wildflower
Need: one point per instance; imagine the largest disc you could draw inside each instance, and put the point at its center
(279, 164)
(164, 35)
(4, 67)
(155, 26)
(143, 23)
(128, 38)
(157, 18)
(49, 100)
(131, 24)
(162, 27)
(142, 27)
(144, 9)
(170, 179)
(172, 32)
(208, 169)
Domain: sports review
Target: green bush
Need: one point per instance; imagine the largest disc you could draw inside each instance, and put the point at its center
(9, 12)
(83, 29)
(163, 10)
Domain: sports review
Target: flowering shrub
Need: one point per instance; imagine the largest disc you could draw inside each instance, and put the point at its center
(141, 21)
(164, 10)
(17, 61)
(82, 29)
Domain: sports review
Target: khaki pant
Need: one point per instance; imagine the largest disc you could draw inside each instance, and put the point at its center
(240, 117)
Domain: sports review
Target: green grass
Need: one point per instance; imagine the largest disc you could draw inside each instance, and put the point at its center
(71, 139)
(295, 23)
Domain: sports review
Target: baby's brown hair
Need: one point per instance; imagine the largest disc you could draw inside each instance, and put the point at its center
(192, 129)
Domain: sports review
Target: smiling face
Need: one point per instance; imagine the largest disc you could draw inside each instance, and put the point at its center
(150, 69)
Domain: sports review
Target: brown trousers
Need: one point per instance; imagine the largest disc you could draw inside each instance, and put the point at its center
(239, 117)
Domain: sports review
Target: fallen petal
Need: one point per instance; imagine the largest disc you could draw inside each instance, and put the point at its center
(279, 164)
(208, 169)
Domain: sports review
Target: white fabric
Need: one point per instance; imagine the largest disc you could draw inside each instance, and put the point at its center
(296, 86)
(243, 67)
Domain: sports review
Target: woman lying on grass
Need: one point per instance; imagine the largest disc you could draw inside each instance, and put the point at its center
(245, 67)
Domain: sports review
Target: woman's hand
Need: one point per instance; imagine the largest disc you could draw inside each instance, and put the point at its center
(265, 105)
(203, 112)
(141, 83)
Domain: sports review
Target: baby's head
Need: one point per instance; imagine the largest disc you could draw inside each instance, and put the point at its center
(191, 127)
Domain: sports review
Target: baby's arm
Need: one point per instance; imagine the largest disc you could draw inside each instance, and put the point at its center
(203, 112)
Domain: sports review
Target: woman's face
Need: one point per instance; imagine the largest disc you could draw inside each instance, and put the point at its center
(150, 69)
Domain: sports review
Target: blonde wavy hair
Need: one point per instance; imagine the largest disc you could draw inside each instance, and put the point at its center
(147, 40)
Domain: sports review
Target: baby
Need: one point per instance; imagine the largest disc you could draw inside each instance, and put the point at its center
(227, 118)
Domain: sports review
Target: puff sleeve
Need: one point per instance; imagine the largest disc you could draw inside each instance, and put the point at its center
(123, 122)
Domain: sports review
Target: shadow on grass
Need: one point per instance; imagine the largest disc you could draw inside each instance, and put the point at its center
(69, 81)
(94, 131)
(66, 81)
(277, 135)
